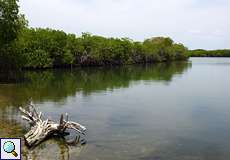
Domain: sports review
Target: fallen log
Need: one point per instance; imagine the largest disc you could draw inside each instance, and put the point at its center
(42, 129)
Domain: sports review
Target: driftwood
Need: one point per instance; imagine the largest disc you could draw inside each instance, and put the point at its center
(42, 129)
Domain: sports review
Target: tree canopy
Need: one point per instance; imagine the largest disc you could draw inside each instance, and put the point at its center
(11, 23)
(24, 47)
(209, 53)
(47, 48)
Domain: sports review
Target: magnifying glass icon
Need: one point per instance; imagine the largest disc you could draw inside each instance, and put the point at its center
(9, 147)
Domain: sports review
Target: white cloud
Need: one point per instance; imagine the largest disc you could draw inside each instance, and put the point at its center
(137, 19)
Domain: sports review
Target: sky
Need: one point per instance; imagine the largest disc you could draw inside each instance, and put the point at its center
(195, 23)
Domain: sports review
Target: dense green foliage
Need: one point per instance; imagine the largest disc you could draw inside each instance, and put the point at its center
(47, 48)
(11, 23)
(209, 53)
(23, 47)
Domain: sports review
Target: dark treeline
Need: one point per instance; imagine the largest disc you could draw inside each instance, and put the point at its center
(42, 48)
(24, 47)
(209, 53)
(47, 48)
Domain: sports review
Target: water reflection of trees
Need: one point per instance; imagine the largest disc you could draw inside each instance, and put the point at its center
(59, 84)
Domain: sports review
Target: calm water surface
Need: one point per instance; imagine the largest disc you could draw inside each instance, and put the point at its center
(178, 111)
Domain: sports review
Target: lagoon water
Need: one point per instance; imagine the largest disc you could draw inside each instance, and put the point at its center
(177, 111)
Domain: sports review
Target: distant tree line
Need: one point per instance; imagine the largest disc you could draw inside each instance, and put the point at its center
(209, 53)
(42, 48)
(24, 47)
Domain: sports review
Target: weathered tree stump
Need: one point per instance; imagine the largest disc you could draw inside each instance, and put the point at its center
(42, 129)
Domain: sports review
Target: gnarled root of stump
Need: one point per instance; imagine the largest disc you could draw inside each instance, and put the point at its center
(42, 129)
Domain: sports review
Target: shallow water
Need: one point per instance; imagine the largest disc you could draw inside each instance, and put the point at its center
(177, 111)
